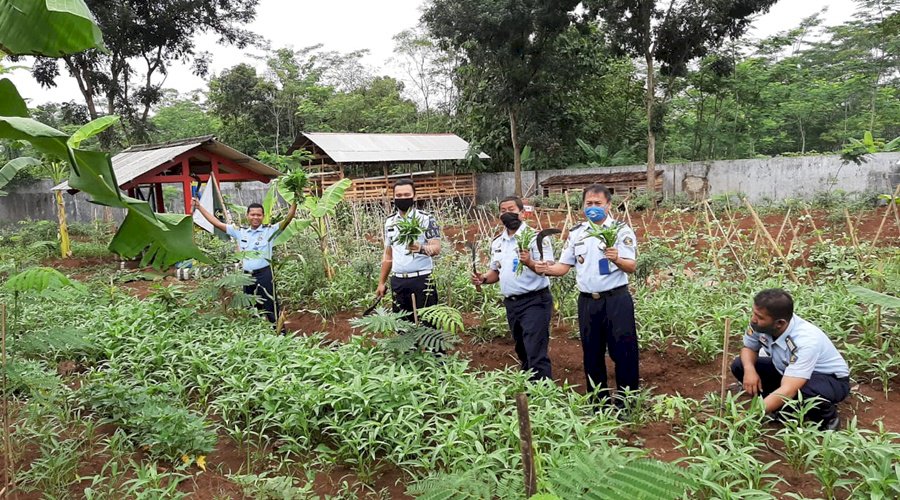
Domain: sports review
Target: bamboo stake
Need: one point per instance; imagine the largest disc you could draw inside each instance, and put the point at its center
(415, 309)
(878, 326)
(737, 259)
(765, 232)
(892, 205)
(812, 222)
(725, 358)
(8, 472)
(850, 228)
(712, 245)
(526, 444)
(787, 217)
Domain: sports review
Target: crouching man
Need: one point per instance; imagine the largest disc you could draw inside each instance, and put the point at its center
(801, 360)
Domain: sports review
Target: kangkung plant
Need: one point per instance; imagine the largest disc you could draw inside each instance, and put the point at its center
(524, 239)
(409, 229)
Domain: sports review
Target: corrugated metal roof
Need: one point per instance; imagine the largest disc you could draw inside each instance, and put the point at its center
(140, 159)
(371, 148)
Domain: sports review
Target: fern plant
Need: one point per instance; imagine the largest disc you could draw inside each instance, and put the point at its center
(421, 338)
(442, 317)
(590, 476)
(38, 279)
(380, 322)
(404, 336)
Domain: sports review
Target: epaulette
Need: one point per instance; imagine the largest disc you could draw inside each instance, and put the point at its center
(576, 227)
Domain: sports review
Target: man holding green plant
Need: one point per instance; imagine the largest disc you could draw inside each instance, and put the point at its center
(256, 239)
(603, 252)
(528, 302)
(411, 239)
(801, 360)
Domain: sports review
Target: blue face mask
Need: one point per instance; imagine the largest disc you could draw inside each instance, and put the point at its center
(595, 214)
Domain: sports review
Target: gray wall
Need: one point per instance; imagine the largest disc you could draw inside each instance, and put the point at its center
(773, 178)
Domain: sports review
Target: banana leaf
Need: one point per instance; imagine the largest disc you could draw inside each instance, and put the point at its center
(91, 129)
(871, 297)
(12, 168)
(295, 227)
(166, 239)
(50, 28)
(320, 207)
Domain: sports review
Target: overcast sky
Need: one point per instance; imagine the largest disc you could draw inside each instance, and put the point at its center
(366, 24)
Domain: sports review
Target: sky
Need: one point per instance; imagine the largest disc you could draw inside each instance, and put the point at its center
(364, 24)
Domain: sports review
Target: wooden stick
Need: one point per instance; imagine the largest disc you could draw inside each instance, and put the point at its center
(878, 326)
(526, 443)
(8, 474)
(892, 205)
(787, 217)
(714, 251)
(812, 222)
(737, 259)
(850, 229)
(725, 358)
(765, 232)
(415, 309)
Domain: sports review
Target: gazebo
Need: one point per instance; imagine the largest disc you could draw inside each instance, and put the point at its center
(142, 170)
(375, 161)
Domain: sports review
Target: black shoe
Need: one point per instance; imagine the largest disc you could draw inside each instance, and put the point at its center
(832, 424)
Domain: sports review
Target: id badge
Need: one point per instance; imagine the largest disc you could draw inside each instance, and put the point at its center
(604, 267)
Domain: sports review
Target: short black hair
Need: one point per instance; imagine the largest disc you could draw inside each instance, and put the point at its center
(596, 189)
(405, 182)
(515, 199)
(778, 303)
(255, 205)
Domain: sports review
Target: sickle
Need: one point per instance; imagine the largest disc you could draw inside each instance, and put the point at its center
(372, 308)
(540, 239)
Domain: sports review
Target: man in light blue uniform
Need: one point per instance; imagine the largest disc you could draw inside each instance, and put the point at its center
(528, 302)
(802, 359)
(605, 307)
(409, 266)
(258, 239)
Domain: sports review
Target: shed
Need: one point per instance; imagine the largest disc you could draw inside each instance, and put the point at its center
(373, 161)
(149, 166)
(621, 183)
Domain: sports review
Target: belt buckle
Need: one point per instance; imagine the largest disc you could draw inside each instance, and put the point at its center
(595, 295)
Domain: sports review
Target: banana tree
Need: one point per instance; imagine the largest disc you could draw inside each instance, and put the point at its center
(12, 168)
(318, 210)
(53, 28)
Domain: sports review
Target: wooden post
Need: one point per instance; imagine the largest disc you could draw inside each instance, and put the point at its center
(415, 309)
(725, 358)
(878, 326)
(737, 259)
(8, 474)
(160, 200)
(765, 232)
(526, 444)
(892, 206)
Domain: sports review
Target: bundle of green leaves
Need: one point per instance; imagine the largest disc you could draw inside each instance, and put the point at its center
(296, 182)
(607, 235)
(409, 229)
(524, 239)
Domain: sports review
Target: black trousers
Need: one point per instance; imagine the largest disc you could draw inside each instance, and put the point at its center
(529, 322)
(609, 322)
(403, 290)
(831, 389)
(264, 288)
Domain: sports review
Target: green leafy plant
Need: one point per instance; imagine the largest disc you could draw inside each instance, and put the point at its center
(12, 168)
(524, 239)
(38, 279)
(606, 234)
(409, 229)
(443, 317)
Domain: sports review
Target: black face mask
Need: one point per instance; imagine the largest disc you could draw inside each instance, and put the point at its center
(404, 204)
(511, 221)
(767, 330)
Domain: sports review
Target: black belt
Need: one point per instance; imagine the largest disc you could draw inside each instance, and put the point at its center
(256, 272)
(527, 295)
(619, 290)
(841, 379)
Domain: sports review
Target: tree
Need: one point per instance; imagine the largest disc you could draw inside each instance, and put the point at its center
(505, 40)
(673, 33)
(179, 117)
(428, 69)
(143, 38)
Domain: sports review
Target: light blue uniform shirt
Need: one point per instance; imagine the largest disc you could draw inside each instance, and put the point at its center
(585, 252)
(801, 350)
(505, 252)
(402, 260)
(254, 240)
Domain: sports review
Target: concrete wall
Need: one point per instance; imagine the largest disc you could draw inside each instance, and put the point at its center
(773, 178)
(759, 179)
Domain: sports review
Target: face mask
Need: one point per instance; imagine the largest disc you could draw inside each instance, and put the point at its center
(404, 204)
(511, 221)
(595, 214)
(766, 330)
